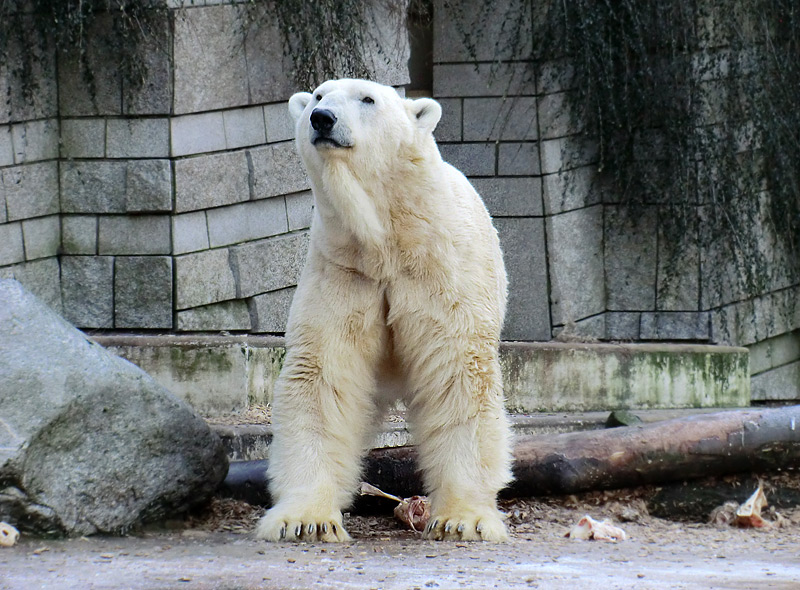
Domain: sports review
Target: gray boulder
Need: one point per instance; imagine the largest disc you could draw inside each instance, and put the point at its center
(89, 443)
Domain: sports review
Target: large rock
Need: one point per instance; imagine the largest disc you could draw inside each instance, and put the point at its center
(89, 443)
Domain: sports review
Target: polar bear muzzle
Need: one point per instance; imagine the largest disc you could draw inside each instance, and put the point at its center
(325, 132)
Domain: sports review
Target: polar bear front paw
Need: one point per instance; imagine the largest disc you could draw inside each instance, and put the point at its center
(292, 525)
(471, 525)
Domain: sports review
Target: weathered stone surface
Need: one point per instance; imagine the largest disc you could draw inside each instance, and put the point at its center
(269, 264)
(148, 186)
(153, 94)
(630, 258)
(676, 325)
(527, 314)
(196, 134)
(138, 138)
(12, 249)
(246, 221)
(87, 289)
(473, 159)
(511, 79)
(300, 210)
(189, 232)
(280, 126)
(42, 237)
(577, 282)
(143, 292)
(210, 68)
(83, 138)
(30, 190)
(79, 234)
(622, 325)
(211, 181)
(746, 322)
(571, 189)
(270, 311)
(90, 444)
(35, 141)
(780, 384)
(228, 315)
(141, 234)
(40, 277)
(268, 67)
(555, 117)
(775, 352)
(6, 148)
(518, 159)
(202, 278)
(244, 127)
(276, 170)
(510, 197)
(566, 153)
(449, 126)
(491, 119)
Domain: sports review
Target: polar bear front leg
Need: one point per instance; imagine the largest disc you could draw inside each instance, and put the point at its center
(462, 433)
(323, 406)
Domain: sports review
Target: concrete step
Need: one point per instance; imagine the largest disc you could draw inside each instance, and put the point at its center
(226, 374)
(250, 442)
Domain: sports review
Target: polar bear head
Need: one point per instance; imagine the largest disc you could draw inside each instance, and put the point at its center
(359, 120)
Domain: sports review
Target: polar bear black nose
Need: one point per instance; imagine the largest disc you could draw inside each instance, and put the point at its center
(322, 120)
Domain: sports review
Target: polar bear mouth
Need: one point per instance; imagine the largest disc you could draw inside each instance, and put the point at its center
(328, 142)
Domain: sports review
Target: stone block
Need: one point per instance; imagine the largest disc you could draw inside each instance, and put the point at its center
(270, 311)
(276, 170)
(555, 76)
(280, 126)
(143, 292)
(246, 221)
(244, 127)
(75, 96)
(42, 237)
(35, 141)
(473, 159)
(269, 264)
(138, 138)
(622, 325)
(210, 68)
(676, 325)
(189, 232)
(202, 278)
(386, 48)
(83, 138)
(571, 189)
(41, 277)
(87, 290)
(197, 134)
(132, 186)
(93, 187)
(505, 79)
(141, 234)
(300, 210)
(556, 118)
(449, 127)
(497, 24)
(3, 213)
(30, 190)
(211, 181)
(566, 153)
(780, 384)
(79, 234)
(148, 186)
(774, 352)
(518, 159)
(12, 249)
(527, 314)
(575, 249)
(501, 118)
(268, 66)
(678, 287)
(6, 146)
(228, 315)
(631, 244)
(510, 197)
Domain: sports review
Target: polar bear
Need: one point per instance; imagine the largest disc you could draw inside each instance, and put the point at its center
(402, 296)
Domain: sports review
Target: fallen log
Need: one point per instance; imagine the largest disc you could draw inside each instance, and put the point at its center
(727, 442)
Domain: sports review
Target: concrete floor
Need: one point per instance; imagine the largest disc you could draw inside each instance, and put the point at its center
(685, 557)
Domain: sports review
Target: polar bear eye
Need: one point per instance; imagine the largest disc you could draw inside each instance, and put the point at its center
(318, 97)
(368, 100)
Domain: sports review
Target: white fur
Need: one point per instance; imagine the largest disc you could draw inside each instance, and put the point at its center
(403, 291)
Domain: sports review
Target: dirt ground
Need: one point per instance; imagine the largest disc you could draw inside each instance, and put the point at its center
(214, 549)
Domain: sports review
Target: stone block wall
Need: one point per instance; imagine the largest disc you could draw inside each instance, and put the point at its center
(178, 206)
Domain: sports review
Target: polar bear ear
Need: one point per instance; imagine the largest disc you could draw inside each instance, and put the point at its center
(426, 112)
(297, 104)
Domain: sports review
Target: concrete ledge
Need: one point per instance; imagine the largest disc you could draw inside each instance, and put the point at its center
(221, 374)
